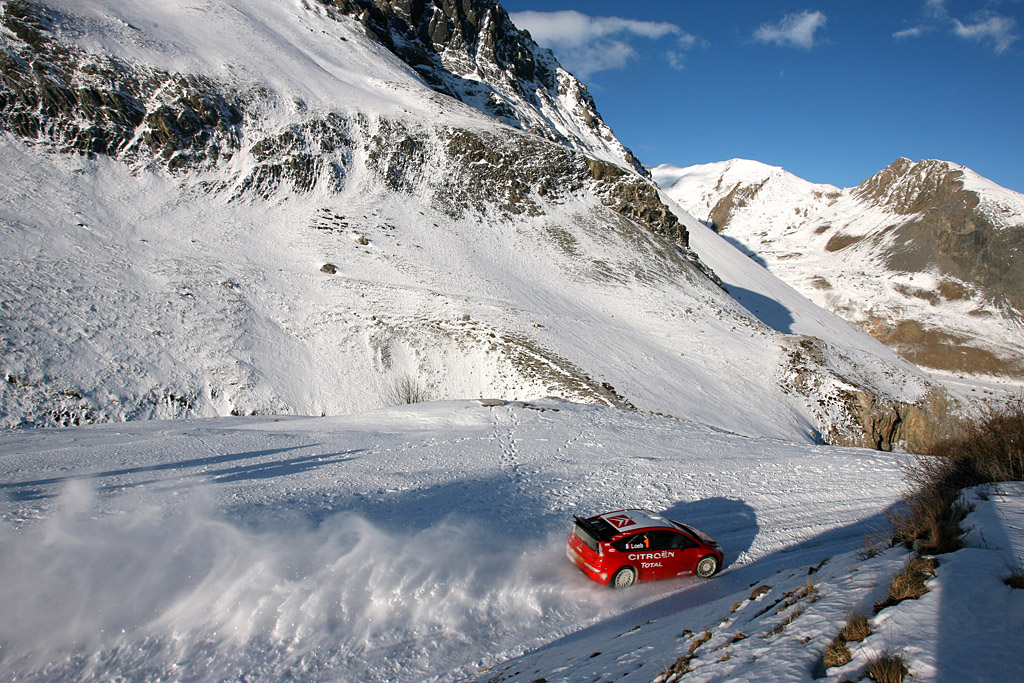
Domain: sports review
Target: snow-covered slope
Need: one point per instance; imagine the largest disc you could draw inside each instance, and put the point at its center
(294, 221)
(923, 256)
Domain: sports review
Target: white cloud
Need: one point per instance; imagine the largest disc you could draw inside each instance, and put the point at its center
(985, 26)
(936, 8)
(992, 28)
(793, 30)
(586, 45)
(675, 60)
(913, 32)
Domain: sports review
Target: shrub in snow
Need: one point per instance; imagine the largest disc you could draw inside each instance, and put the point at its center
(887, 668)
(1016, 579)
(406, 390)
(987, 450)
(909, 583)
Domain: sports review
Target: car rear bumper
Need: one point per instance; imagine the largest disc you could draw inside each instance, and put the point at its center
(592, 572)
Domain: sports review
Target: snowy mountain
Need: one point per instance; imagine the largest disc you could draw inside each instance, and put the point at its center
(924, 256)
(298, 221)
(473, 52)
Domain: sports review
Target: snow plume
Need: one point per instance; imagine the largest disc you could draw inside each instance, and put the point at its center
(146, 593)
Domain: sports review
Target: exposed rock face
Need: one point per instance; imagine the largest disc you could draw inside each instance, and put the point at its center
(915, 427)
(856, 413)
(98, 105)
(737, 198)
(471, 50)
(949, 231)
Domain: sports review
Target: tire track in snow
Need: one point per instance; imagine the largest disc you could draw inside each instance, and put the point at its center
(505, 435)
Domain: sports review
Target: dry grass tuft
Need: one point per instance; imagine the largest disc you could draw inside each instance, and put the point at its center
(1016, 577)
(836, 653)
(698, 641)
(887, 668)
(909, 583)
(759, 591)
(931, 518)
(857, 628)
(678, 668)
(808, 591)
(874, 544)
(682, 665)
(781, 626)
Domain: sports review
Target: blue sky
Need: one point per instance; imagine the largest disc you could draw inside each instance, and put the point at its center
(832, 91)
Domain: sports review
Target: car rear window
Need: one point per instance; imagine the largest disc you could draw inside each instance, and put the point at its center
(587, 539)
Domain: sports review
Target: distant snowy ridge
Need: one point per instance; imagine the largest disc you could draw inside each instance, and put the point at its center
(925, 256)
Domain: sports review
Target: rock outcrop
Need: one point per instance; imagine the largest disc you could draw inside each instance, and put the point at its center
(948, 228)
(471, 50)
(93, 104)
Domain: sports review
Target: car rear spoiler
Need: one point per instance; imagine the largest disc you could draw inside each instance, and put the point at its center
(596, 527)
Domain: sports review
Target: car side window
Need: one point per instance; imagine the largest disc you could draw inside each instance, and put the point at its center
(670, 540)
(634, 542)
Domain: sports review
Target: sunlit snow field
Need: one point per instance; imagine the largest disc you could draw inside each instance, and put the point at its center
(407, 544)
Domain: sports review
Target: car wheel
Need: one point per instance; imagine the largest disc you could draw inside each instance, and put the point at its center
(707, 567)
(624, 578)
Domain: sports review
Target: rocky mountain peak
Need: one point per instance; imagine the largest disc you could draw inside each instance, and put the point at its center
(471, 50)
(907, 187)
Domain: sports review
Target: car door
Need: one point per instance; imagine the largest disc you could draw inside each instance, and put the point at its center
(639, 553)
(650, 553)
(677, 553)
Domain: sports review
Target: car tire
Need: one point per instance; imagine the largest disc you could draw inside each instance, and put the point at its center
(707, 567)
(624, 578)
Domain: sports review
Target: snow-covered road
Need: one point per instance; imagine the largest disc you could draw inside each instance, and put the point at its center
(408, 544)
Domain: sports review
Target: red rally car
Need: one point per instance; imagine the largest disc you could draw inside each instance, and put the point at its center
(622, 547)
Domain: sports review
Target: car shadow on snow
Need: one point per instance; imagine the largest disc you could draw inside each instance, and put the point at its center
(731, 522)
